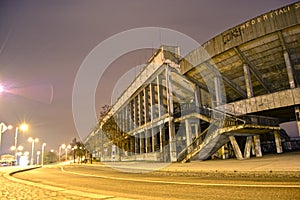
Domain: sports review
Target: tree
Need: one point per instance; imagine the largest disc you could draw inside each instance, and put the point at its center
(78, 149)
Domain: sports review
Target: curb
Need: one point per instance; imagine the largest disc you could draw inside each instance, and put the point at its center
(57, 189)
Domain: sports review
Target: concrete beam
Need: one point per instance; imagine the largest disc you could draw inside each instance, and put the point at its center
(236, 148)
(254, 71)
(248, 81)
(287, 60)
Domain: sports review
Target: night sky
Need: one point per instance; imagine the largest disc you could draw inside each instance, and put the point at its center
(43, 44)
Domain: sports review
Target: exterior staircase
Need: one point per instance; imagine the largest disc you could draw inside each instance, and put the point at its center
(222, 125)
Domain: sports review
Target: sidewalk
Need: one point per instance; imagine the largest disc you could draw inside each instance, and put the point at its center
(280, 164)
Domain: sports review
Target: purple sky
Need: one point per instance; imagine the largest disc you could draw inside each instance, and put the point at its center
(43, 43)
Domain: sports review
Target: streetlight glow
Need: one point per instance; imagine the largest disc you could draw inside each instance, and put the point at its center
(1, 88)
(24, 127)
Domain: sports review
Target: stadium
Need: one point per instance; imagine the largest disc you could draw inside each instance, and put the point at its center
(225, 99)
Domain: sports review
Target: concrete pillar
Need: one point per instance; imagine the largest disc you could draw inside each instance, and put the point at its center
(197, 96)
(188, 132)
(162, 138)
(136, 145)
(131, 115)
(297, 112)
(236, 148)
(152, 101)
(278, 142)
(147, 143)
(135, 112)
(146, 108)
(258, 152)
(140, 113)
(289, 69)
(160, 97)
(142, 144)
(154, 140)
(218, 91)
(248, 81)
(253, 147)
(290, 73)
(247, 151)
(172, 136)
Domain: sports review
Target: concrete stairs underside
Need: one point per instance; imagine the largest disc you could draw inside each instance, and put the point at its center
(217, 134)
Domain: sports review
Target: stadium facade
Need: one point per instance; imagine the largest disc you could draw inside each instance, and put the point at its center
(219, 100)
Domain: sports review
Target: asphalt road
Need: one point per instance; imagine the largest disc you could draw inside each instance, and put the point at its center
(162, 185)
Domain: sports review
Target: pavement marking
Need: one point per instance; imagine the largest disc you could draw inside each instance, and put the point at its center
(184, 183)
(58, 189)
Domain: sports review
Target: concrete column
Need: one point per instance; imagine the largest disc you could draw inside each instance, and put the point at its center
(218, 91)
(161, 135)
(146, 141)
(248, 81)
(154, 139)
(236, 148)
(278, 142)
(253, 146)
(197, 96)
(219, 102)
(140, 113)
(136, 145)
(172, 136)
(142, 138)
(135, 112)
(297, 112)
(290, 73)
(146, 108)
(188, 132)
(258, 152)
(247, 151)
(289, 69)
(152, 101)
(131, 115)
(160, 97)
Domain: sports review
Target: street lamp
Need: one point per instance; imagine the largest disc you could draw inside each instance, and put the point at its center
(32, 140)
(37, 157)
(43, 150)
(3, 128)
(66, 148)
(59, 150)
(23, 127)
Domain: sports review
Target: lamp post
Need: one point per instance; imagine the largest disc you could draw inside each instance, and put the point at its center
(20, 149)
(3, 128)
(59, 150)
(67, 147)
(37, 157)
(32, 140)
(43, 150)
(23, 127)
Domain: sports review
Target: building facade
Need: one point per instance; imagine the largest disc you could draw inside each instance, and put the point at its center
(241, 84)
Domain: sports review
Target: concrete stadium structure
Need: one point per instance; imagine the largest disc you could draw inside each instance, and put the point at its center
(242, 83)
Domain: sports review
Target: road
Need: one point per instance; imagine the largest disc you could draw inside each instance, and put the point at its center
(162, 185)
